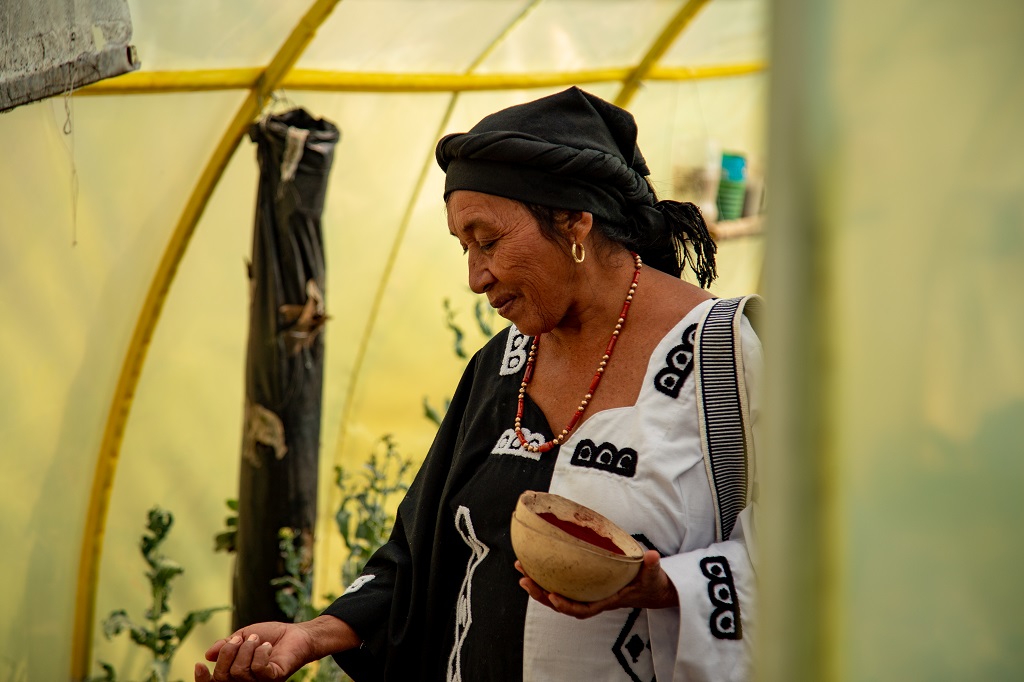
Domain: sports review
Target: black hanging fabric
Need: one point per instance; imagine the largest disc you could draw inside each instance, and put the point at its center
(284, 362)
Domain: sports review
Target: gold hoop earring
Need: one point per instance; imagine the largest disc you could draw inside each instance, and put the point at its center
(579, 258)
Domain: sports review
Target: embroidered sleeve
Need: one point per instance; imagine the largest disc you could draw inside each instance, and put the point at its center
(710, 636)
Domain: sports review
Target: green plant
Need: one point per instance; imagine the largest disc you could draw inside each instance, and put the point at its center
(324, 670)
(449, 319)
(295, 597)
(367, 496)
(295, 590)
(226, 540)
(365, 519)
(161, 638)
(484, 316)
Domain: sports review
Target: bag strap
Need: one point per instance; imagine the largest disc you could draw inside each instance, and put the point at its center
(722, 409)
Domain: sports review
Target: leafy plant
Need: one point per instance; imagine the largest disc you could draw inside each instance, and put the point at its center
(161, 638)
(295, 597)
(363, 516)
(295, 590)
(484, 316)
(432, 413)
(324, 670)
(449, 318)
(226, 540)
(365, 522)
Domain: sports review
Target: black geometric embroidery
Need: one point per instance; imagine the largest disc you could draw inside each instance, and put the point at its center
(630, 646)
(635, 646)
(725, 619)
(605, 457)
(670, 379)
(642, 539)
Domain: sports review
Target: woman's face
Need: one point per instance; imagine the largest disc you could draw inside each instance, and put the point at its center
(528, 278)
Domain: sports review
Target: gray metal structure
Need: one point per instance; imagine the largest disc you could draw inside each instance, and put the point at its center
(49, 47)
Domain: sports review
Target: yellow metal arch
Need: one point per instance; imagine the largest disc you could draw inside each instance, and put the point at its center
(110, 447)
(360, 81)
(668, 35)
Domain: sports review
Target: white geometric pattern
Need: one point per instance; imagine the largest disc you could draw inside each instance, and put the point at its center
(463, 607)
(359, 582)
(508, 444)
(515, 352)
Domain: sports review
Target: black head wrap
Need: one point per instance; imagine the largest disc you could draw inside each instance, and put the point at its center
(577, 152)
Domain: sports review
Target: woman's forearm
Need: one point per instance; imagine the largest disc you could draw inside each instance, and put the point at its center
(330, 635)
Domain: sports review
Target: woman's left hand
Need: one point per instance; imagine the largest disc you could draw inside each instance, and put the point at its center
(651, 589)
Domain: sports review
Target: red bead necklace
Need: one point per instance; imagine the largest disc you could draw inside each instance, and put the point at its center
(528, 374)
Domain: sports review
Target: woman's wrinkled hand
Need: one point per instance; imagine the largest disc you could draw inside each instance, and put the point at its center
(264, 651)
(650, 589)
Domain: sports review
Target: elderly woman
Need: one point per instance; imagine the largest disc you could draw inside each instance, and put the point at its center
(591, 393)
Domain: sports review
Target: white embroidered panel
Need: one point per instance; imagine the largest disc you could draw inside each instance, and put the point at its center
(642, 467)
(463, 606)
(508, 444)
(516, 347)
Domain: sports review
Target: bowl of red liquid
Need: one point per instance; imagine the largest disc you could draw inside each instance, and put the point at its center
(572, 550)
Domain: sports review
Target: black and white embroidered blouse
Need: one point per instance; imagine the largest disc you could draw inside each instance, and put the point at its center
(441, 601)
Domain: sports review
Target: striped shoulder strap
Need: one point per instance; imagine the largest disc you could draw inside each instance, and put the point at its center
(723, 412)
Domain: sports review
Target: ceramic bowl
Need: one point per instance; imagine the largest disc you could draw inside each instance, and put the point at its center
(568, 558)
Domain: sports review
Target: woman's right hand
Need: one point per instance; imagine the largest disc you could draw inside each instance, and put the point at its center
(264, 651)
(275, 651)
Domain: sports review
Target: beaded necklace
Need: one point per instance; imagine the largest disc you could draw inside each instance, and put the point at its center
(528, 374)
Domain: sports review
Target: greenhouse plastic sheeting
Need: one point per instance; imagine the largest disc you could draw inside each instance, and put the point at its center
(87, 216)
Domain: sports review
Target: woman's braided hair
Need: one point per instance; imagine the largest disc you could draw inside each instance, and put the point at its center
(687, 242)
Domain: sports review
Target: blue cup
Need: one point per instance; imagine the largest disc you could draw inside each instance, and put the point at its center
(734, 167)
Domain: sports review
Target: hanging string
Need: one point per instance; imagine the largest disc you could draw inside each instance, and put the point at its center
(68, 130)
(278, 102)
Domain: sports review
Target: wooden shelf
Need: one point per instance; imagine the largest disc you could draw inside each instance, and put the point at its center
(725, 230)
